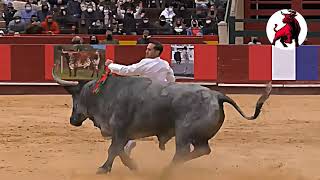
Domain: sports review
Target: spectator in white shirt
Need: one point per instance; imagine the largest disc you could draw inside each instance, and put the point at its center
(168, 13)
(152, 67)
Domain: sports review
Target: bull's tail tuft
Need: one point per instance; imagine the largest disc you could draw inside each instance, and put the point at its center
(275, 26)
(259, 103)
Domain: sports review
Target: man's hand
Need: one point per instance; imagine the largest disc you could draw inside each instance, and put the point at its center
(108, 62)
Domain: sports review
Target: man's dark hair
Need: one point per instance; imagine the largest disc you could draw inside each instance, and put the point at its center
(157, 46)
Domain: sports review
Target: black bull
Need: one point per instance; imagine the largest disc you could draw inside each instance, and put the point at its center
(131, 107)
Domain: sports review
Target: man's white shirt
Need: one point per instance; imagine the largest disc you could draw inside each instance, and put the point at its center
(154, 69)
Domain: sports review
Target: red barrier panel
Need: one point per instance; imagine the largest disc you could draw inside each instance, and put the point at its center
(166, 54)
(49, 61)
(260, 63)
(5, 62)
(110, 52)
(233, 65)
(27, 63)
(129, 54)
(205, 62)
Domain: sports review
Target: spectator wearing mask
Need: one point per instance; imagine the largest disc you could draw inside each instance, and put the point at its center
(194, 30)
(17, 25)
(220, 13)
(145, 25)
(94, 39)
(145, 38)
(210, 27)
(162, 27)
(88, 17)
(50, 26)
(168, 14)
(8, 13)
(179, 28)
(62, 17)
(212, 13)
(200, 15)
(129, 23)
(97, 28)
(44, 12)
(185, 14)
(27, 13)
(74, 10)
(99, 13)
(34, 27)
(86, 4)
(109, 39)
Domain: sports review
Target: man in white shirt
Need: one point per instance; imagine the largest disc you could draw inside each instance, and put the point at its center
(152, 67)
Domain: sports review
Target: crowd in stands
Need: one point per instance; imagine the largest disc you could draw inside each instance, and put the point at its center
(121, 17)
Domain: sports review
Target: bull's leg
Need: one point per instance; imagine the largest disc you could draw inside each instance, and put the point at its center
(200, 148)
(115, 149)
(70, 72)
(75, 72)
(92, 73)
(282, 42)
(127, 161)
(163, 139)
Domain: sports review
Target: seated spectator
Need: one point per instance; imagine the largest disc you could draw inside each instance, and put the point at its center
(194, 30)
(17, 25)
(50, 26)
(97, 28)
(129, 23)
(200, 15)
(162, 27)
(220, 13)
(145, 25)
(210, 27)
(212, 13)
(94, 39)
(27, 13)
(145, 39)
(8, 13)
(44, 12)
(34, 27)
(185, 14)
(109, 39)
(77, 40)
(88, 17)
(61, 17)
(84, 5)
(168, 14)
(74, 11)
(179, 27)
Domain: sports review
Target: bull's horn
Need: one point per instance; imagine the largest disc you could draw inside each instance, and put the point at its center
(63, 82)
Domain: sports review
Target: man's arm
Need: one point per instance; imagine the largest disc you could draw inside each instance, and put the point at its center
(170, 76)
(131, 70)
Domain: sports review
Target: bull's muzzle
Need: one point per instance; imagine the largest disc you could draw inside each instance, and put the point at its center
(77, 120)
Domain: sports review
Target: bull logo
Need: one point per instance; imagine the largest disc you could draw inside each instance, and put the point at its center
(293, 30)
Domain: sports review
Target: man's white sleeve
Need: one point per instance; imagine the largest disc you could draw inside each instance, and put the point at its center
(131, 70)
(170, 76)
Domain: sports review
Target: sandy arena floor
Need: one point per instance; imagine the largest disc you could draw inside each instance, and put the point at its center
(38, 143)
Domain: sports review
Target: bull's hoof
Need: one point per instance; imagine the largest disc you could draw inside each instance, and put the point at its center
(103, 170)
(162, 147)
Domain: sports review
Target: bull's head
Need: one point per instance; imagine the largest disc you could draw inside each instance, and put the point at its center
(79, 113)
(288, 18)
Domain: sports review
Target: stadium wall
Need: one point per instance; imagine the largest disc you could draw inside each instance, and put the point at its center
(26, 67)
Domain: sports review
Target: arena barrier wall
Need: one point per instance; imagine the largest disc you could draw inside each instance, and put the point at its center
(222, 65)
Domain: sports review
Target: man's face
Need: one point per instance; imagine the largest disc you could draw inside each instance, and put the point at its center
(151, 52)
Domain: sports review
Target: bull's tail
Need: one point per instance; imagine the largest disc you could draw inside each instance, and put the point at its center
(260, 102)
(275, 26)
